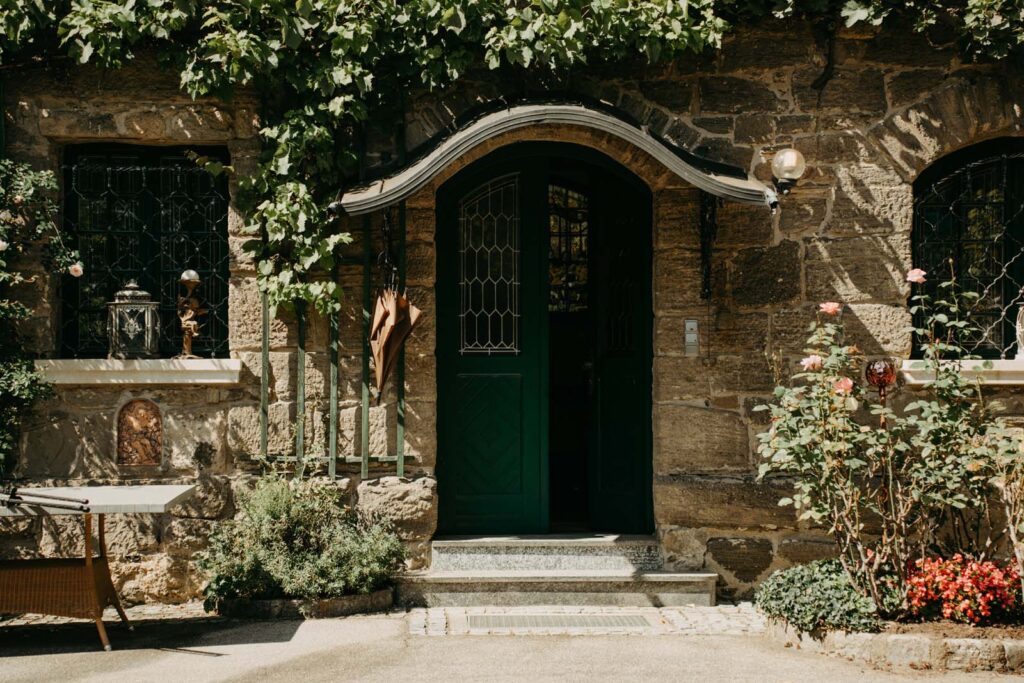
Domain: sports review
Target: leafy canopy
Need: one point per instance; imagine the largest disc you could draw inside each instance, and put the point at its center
(325, 67)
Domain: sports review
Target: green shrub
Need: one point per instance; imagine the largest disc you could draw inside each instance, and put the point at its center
(815, 596)
(295, 539)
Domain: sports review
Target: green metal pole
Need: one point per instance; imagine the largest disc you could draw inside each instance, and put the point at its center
(332, 430)
(365, 423)
(400, 370)
(300, 389)
(265, 377)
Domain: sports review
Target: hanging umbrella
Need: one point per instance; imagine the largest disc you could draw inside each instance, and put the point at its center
(394, 318)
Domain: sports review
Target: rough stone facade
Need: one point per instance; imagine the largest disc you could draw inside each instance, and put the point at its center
(894, 105)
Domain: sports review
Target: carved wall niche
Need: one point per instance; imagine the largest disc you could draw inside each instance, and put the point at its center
(140, 434)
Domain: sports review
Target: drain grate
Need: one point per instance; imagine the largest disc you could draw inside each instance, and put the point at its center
(492, 621)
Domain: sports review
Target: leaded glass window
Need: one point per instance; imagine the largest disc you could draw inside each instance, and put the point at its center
(568, 255)
(489, 268)
(144, 213)
(969, 221)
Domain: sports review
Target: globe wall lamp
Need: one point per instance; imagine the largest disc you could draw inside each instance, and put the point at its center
(788, 166)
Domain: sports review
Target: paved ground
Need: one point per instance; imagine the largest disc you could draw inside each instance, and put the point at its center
(182, 644)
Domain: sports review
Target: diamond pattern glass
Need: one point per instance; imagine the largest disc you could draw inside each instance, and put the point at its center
(146, 214)
(489, 268)
(970, 222)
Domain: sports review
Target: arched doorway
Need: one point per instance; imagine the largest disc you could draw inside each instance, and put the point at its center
(544, 344)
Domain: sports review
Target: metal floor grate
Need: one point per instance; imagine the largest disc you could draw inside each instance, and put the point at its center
(492, 621)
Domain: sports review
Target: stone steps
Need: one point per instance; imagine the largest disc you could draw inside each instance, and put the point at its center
(610, 552)
(555, 587)
(552, 570)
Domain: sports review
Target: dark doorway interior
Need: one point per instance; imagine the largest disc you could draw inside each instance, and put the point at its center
(570, 349)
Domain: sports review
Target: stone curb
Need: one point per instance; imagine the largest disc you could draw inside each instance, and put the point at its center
(904, 650)
(378, 601)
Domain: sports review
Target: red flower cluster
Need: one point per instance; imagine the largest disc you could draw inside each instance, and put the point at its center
(963, 590)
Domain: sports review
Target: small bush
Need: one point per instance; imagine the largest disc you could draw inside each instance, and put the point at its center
(296, 540)
(815, 596)
(963, 590)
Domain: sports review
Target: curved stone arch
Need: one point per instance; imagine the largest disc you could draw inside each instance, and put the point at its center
(629, 145)
(970, 109)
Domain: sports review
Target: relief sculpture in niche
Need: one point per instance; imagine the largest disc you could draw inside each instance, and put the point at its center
(140, 434)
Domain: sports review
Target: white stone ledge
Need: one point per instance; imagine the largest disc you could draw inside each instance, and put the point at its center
(994, 372)
(108, 372)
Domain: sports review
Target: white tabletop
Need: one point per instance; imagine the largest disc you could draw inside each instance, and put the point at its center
(153, 499)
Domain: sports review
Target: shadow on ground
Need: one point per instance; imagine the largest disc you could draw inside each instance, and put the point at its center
(189, 636)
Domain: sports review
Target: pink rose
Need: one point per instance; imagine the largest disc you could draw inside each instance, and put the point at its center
(830, 308)
(916, 275)
(76, 269)
(812, 362)
(843, 386)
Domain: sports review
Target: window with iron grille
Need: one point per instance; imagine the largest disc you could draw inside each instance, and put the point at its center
(969, 222)
(144, 214)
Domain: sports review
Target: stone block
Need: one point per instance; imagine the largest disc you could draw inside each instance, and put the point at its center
(76, 124)
(726, 503)
(411, 504)
(183, 536)
(245, 318)
(745, 373)
(724, 151)
(716, 125)
(835, 148)
(201, 124)
(148, 125)
(677, 279)
(730, 95)
(763, 276)
(684, 548)
(743, 225)
(677, 218)
(908, 651)
(799, 550)
(755, 129)
(155, 578)
(974, 654)
(802, 214)
(761, 50)
(879, 329)
(213, 499)
(243, 429)
(744, 558)
(907, 87)
(869, 199)
(850, 89)
(69, 444)
(860, 269)
(131, 535)
(1014, 653)
(674, 95)
(678, 378)
(689, 440)
(195, 440)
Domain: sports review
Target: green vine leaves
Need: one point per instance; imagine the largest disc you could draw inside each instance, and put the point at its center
(325, 69)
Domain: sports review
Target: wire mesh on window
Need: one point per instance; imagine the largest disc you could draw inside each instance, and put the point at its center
(489, 268)
(970, 223)
(144, 214)
(568, 253)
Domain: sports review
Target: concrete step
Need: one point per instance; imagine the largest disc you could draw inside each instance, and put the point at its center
(555, 587)
(609, 552)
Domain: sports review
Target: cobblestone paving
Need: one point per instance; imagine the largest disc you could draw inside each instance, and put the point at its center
(741, 619)
(187, 611)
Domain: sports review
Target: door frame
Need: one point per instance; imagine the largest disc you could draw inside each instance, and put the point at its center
(447, 196)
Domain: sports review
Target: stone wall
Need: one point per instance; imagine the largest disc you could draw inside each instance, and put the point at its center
(894, 105)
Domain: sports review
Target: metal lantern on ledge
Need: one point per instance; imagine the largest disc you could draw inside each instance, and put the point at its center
(133, 324)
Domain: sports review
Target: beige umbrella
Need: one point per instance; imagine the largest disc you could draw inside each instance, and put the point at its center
(394, 318)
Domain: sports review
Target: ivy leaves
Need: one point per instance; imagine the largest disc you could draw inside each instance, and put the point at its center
(327, 68)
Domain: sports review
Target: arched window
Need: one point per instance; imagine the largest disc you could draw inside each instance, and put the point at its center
(969, 222)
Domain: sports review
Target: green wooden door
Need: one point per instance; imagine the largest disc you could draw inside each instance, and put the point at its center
(492, 344)
(491, 352)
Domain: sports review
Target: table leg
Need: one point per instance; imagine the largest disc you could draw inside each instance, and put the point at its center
(92, 586)
(113, 596)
